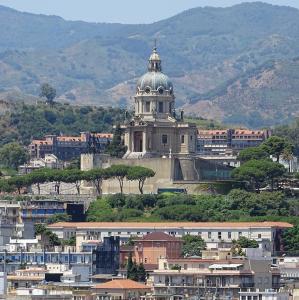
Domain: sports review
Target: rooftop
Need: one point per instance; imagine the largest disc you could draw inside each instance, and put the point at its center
(122, 284)
(169, 225)
(158, 236)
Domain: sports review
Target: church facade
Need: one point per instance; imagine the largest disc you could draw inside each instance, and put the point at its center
(156, 130)
(159, 138)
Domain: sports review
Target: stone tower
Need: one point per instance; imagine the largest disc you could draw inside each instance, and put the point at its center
(155, 130)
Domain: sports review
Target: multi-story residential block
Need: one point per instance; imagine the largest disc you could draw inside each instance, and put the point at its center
(189, 278)
(11, 224)
(68, 147)
(153, 246)
(104, 258)
(209, 231)
(228, 141)
(25, 278)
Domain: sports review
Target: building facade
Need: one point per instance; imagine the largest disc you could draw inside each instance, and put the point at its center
(194, 278)
(69, 147)
(155, 130)
(229, 141)
(211, 232)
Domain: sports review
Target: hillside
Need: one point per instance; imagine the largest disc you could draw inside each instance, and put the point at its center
(21, 122)
(204, 51)
(271, 93)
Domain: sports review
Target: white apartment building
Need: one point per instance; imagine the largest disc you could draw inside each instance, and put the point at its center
(209, 231)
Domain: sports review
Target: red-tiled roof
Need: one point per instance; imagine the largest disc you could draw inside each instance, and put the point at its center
(159, 236)
(122, 284)
(169, 225)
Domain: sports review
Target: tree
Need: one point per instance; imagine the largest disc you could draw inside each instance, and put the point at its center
(118, 172)
(258, 172)
(19, 182)
(192, 245)
(132, 269)
(13, 155)
(117, 148)
(244, 242)
(74, 176)
(141, 273)
(96, 176)
(276, 146)
(59, 218)
(140, 174)
(48, 92)
(57, 176)
(38, 177)
(290, 240)
(251, 171)
(273, 171)
(256, 153)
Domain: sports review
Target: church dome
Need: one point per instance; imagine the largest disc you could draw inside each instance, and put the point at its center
(154, 80)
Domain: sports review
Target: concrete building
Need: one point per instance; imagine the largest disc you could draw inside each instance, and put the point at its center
(268, 294)
(69, 147)
(209, 231)
(224, 142)
(11, 224)
(189, 278)
(153, 246)
(50, 161)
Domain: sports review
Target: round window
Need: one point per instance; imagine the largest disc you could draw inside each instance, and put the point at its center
(147, 90)
(160, 90)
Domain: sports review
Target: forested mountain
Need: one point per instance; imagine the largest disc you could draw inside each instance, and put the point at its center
(235, 64)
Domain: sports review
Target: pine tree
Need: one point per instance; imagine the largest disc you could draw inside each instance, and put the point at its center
(141, 273)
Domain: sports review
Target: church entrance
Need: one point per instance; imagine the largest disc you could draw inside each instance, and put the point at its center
(138, 141)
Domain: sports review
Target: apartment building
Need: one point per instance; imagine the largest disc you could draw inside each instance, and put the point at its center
(209, 231)
(11, 224)
(68, 147)
(189, 278)
(228, 141)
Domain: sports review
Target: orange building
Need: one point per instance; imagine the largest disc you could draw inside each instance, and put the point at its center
(153, 246)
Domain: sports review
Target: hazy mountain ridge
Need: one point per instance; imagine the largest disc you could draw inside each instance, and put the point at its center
(206, 51)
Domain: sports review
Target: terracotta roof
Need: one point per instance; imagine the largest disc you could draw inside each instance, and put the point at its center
(121, 284)
(104, 135)
(159, 236)
(41, 142)
(168, 225)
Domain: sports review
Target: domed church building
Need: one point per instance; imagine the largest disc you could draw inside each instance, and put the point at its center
(156, 130)
(159, 138)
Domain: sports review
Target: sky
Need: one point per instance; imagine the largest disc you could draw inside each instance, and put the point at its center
(121, 11)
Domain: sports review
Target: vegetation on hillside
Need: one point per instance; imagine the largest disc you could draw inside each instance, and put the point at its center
(24, 122)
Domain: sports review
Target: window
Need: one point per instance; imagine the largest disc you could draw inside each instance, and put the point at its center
(160, 107)
(164, 139)
(259, 236)
(219, 235)
(183, 139)
(240, 233)
(147, 106)
(229, 235)
(209, 234)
